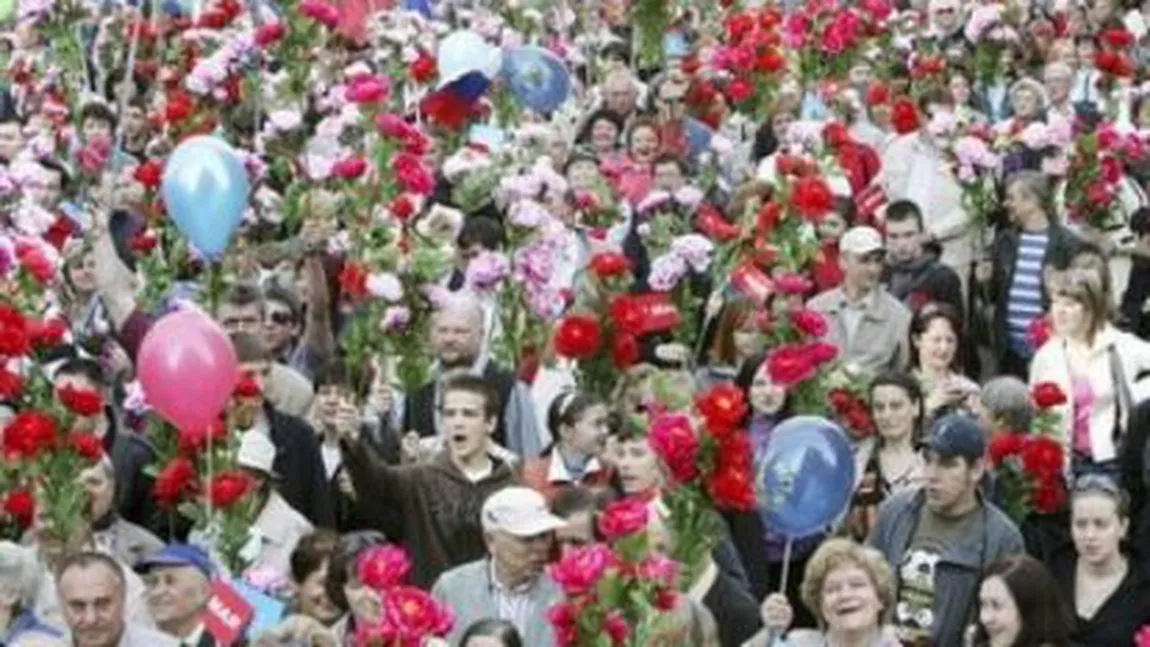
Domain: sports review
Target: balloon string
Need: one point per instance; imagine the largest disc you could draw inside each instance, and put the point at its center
(786, 565)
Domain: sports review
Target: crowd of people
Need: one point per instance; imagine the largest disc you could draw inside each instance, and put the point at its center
(438, 381)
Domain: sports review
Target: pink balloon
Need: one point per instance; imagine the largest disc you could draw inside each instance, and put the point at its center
(187, 368)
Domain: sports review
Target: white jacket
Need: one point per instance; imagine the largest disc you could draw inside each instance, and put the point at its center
(1051, 364)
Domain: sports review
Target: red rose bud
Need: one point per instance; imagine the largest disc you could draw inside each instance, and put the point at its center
(174, 481)
(88, 446)
(227, 488)
(349, 169)
(577, 336)
(1047, 395)
(269, 33)
(82, 402)
(423, 68)
(150, 173)
(248, 386)
(608, 264)
(20, 505)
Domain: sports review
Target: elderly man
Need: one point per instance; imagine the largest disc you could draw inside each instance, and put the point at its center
(1005, 405)
(457, 334)
(92, 593)
(866, 322)
(111, 533)
(178, 577)
(509, 584)
(19, 584)
(1057, 78)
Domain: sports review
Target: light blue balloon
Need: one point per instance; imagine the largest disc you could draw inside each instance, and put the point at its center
(805, 477)
(465, 51)
(205, 189)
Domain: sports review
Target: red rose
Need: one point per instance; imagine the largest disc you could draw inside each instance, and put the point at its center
(1042, 455)
(821, 352)
(353, 280)
(711, 223)
(20, 505)
(673, 439)
(1114, 64)
(904, 116)
(401, 207)
(607, 264)
(227, 488)
(1047, 395)
(178, 106)
(191, 441)
(88, 446)
(47, 333)
(412, 175)
(877, 94)
(349, 169)
(28, 434)
(1005, 444)
(809, 322)
(423, 68)
(393, 126)
(150, 173)
(82, 402)
(11, 384)
(723, 407)
(269, 33)
(34, 261)
(627, 314)
(616, 627)
(740, 90)
(738, 25)
(623, 517)
(577, 336)
(144, 241)
(768, 218)
(733, 451)
(624, 351)
(321, 12)
(1048, 495)
(770, 60)
(790, 364)
(1111, 169)
(835, 134)
(793, 283)
(812, 197)
(732, 489)
(173, 481)
(248, 386)
(366, 89)
(1118, 38)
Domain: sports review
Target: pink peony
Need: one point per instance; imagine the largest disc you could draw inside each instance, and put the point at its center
(383, 567)
(579, 571)
(623, 517)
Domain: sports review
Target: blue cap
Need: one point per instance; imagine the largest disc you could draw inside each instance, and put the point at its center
(178, 555)
(956, 435)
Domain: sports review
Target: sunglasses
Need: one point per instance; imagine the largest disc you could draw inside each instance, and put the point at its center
(1096, 483)
(281, 318)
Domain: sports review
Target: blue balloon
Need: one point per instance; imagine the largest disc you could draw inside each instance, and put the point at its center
(675, 44)
(537, 78)
(422, 7)
(468, 87)
(806, 476)
(205, 189)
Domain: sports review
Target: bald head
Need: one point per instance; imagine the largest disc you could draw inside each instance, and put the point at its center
(457, 331)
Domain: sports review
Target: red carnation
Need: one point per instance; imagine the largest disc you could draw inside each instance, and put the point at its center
(47, 333)
(82, 402)
(810, 322)
(248, 386)
(11, 384)
(28, 434)
(577, 336)
(173, 481)
(1047, 395)
(88, 446)
(150, 173)
(1004, 445)
(624, 351)
(1048, 495)
(269, 33)
(412, 175)
(812, 197)
(733, 489)
(714, 225)
(353, 280)
(1042, 455)
(673, 439)
(423, 68)
(904, 116)
(320, 12)
(608, 264)
(20, 505)
(790, 364)
(227, 488)
(723, 407)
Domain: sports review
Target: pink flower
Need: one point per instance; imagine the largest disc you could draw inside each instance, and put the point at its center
(415, 615)
(413, 176)
(349, 169)
(321, 12)
(616, 627)
(383, 567)
(674, 440)
(579, 571)
(486, 270)
(393, 126)
(367, 89)
(659, 569)
(93, 157)
(623, 517)
(792, 283)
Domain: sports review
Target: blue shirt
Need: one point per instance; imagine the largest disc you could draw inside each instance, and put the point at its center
(24, 624)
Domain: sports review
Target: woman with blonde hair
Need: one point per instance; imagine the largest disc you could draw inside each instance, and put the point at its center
(1095, 365)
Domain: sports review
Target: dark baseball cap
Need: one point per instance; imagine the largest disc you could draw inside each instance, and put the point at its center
(956, 435)
(178, 555)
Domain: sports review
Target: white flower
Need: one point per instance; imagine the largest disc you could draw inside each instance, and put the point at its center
(285, 120)
(1035, 136)
(528, 214)
(695, 250)
(395, 319)
(32, 219)
(689, 196)
(385, 285)
(666, 272)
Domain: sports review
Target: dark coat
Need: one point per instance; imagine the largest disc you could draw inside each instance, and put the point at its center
(419, 414)
(303, 480)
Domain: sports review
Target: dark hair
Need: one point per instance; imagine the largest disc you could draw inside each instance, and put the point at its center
(1045, 618)
(81, 367)
(287, 296)
(476, 385)
(311, 552)
(343, 560)
(642, 122)
(746, 376)
(480, 230)
(334, 372)
(734, 314)
(100, 112)
(602, 114)
(579, 156)
(492, 628)
(573, 499)
(921, 322)
(88, 559)
(243, 293)
(671, 158)
(250, 347)
(567, 408)
(910, 386)
(903, 210)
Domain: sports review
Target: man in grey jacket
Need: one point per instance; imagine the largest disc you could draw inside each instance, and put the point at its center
(510, 584)
(940, 539)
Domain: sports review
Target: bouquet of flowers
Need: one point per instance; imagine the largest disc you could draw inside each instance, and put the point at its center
(829, 35)
(409, 616)
(615, 593)
(973, 162)
(991, 30)
(1093, 178)
(751, 60)
(1029, 466)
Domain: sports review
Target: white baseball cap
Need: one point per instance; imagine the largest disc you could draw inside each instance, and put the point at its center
(257, 452)
(519, 511)
(861, 240)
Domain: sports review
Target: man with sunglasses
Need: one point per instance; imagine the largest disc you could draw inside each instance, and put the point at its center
(866, 322)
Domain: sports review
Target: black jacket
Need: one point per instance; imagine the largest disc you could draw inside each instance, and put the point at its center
(131, 456)
(925, 281)
(1119, 617)
(1135, 296)
(303, 480)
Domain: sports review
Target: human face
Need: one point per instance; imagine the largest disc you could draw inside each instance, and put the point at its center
(135, 125)
(364, 603)
(588, 436)
(11, 140)
(638, 466)
(241, 318)
(1096, 527)
(960, 90)
(579, 531)
(781, 123)
(950, 483)
(484, 641)
(466, 425)
(946, 16)
(95, 129)
(668, 177)
(1020, 203)
(456, 337)
(519, 559)
(81, 273)
(604, 136)
(849, 600)
(176, 594)
(644, 145)
(766, 397)
(748, 339)
(1025, 103)
(862, 270)
(1057, 84)
(583, 175)
(328, 399)
(832, 226)
(312, 596)
(937, 345)
(903, 240)
(47, 188)
(1070, 316)
(101, 490)
(93, 601)
(280, 325)
(620, 96)
(998, 613)
(894, 412)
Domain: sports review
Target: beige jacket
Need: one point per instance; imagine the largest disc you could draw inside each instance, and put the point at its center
(880, 342)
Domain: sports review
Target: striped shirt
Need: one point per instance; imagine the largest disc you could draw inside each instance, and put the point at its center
(1024, 302)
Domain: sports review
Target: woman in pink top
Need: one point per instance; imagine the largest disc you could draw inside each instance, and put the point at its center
(635, 174)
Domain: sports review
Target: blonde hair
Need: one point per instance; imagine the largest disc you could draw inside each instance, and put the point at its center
(835, 553)
(1088, 288)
